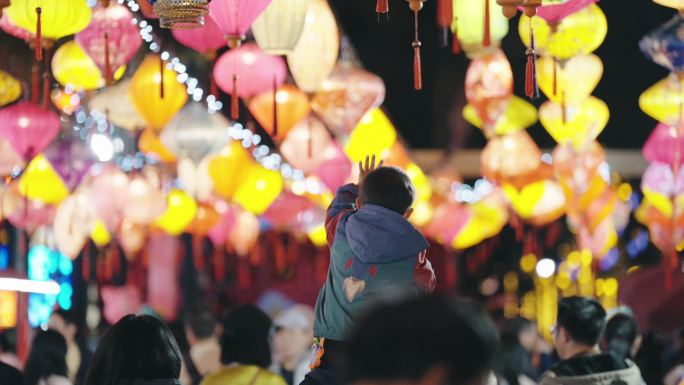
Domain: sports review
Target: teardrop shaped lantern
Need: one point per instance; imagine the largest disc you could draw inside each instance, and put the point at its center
(180, 14)
(71, 65)
(205, 40)
(195, 133)
(292, 106)
(278, 28)
(115, 102)
(255, 71)
(28, 127)
(665, 46)
(234, 17)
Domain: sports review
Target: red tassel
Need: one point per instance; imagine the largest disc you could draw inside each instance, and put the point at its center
(275, 108)
(417, 70)
(108, 68)
(161, 76)
(555, 77)
(529, 74)
(46, 89)
(486, 39)
(234, 106)
(455, 44)
(39, 34)
(382, 6)
(35, 83)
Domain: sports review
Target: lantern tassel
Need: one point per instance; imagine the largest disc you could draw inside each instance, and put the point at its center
(417, 70)
(35, 83)
(455, 44)
(39, 34)
(108, 68)
(381, 6)
(487, 38)
(531, 87)
(234, 106)
(275, 108)
(161, 77)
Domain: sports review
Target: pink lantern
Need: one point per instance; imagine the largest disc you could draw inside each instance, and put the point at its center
(111, 39)
(553, 14)
(336, 167)
(309, 132)
(663, 144)
(255, 70)
(120, 301)
(109, 192)
(203, 40)
(234, 17)
(219, 233)
(447, 222)
(28, 127)
(660, 178)
(26, 214)
(290, 210)
(11, 29)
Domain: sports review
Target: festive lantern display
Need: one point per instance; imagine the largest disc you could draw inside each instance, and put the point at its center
(111, 39)
(309, 132)
(540, 202)
(475, 22)
(486, 219)
(664, 45)
(229, 168)
(195, 133)
(553, 13)
(10, 161)
(100, 235)
(150, 144)
(10, 88)
(578, 125)
(373, 135)
(28, 128)
(519, 115)
(71, 159)
(259, 189)
(74, 219)
(10, 28)
(575, 168)
(569, 82)
(72, 66)
(65, 102)
(335, 168)
(662, 100)
(345, 96)
(156, 108)
(205, 40)
(180, 212)
(145, 201)
(27, 214)
(245, 233)
(131, 237)
(39, 181)
(234, 17)
(510, 157)
(291, 106)
(314, 57)
(278, 28)
(663, 145)
(195, 178)
(489, 86)
(115, 103)
(109, 193)
(293, 212)
(186, 14)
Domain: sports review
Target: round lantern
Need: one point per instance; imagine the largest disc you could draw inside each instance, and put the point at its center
(576, 168)
(315, 55)
(195, 178)
(186, 14)
(244, 233)
(510, 157)
(234, 17)
(519, 115)
(115, 103)
(486, 219)
(11, 29)
(28, 127)
(204, 40)
(256, 71)
(259, 189)
(72, 66)
(539, 202)
(662, 145)
(157, 108)
(489, 86)
(278, 28)
(229, 168)
(195, 133)
(109, 193)
(374, 135)
(578, 125)
(569, 82)
(555, 13)
(145, 201)
(40, 182)
(10, 88)
(111, 39)
(469, 25)
(345, 96)
(292, 105)
(335, 168)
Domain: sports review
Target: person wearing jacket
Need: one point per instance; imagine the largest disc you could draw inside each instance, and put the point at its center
(581, 322)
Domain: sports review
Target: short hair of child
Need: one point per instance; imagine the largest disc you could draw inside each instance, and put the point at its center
(388, 187)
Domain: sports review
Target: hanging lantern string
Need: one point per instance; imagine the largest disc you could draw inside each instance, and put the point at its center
(161, 77)
(415, 6)
(443, 16)
(531, 88)
(39, 34)
(487, 38)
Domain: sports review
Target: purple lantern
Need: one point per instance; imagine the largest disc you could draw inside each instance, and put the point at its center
(71, 159)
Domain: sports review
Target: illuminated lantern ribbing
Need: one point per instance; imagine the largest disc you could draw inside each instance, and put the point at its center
(256, 71)
(205, 40)
(579, 124)
(195, 133)
(186, 14)
(229, 168)
(278, 28)
(470, 28)
(72, 66)
(234, 17)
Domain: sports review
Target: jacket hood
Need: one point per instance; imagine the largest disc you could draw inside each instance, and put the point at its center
(629, 376)
(376, 233)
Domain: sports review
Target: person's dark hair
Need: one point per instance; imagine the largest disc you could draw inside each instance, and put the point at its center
(621, 332)
(201, 322)
(583, 318)
(512, 328)
(388, 187)
(5, 345)
(402, 341)
(137, 347)
(47, 357)
(245, 337)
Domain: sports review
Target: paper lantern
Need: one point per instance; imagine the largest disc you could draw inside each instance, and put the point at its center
(519, 115)
(278, 28)
(39, 181)
(510, 156)
(195, 133)
(555, 13)
(109, 193)
(111, 39)
(72, 66)
(578, 125)
(315, 55)
(335, 168)
(74, 219)
(600, 241)
(150, 144)
(469, 25)
(10, 88)
(195, 178)
(131, 237)
(289, 210)
(100, 235)
(318, 236)
(259, 189)
(487, 218)
(345, 96)
(115, 103)
(219, 233)
(145, 94)
(577, 168)
(540, 202)
(186, 14)
(662, 145)
(205, 219)
(255, 71)
(292, 106)
(27, 214)
(205, 40)
(180, 212)
(571, 81)
(662, 100)
(10, 161)
(65, 102)
(372, 136)
(234, 17)
(660, 178)
(71, 159)
(420, 182)
(447, 222)
(28, 127)
(664, 45)
(229, 168)
(310, 131)
(579, 33)
(489, 86)
(144, 202)
(245, 233)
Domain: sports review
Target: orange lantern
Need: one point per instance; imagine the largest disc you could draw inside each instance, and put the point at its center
(205, 219)
(150, 144)
(511, 157)
(292, 106)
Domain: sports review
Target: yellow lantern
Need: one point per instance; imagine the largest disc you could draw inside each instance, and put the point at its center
(315, 55)
(519, 115)
(59, 18)
(539, 202)
(676, 4)
(10, 88)
(578, 125)
(278, 29)
(155, 107)
(570, 82)
(229, 169)
(100, 235)
(318, 236)
(421, 183)
(41, 182)
(180, 212)
(373, 135)
(662, 101)
(468, 24)
(71, 65)
(578, 33)
(260, 188)
(487, 218)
